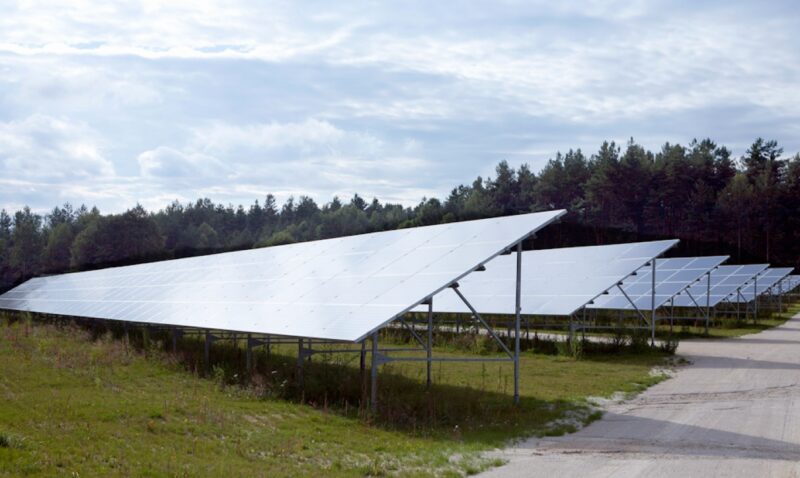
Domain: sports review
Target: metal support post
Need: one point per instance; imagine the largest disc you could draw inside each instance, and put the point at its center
(708, 300)
(373, 402)
(248, 353)
(671, 313)
(653, 307)
(755, 299)
(737, 305)
(363, 362)
(207, 351)
(571, 328)
(300, 354)
(363, 369)
(430, 342)
(518, 311)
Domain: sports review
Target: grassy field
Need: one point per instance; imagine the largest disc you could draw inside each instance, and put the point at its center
(77, 405)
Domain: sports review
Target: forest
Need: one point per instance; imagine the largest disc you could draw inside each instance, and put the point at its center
(746, 207)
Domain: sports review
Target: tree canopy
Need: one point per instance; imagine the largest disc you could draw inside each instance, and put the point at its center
(748, 208)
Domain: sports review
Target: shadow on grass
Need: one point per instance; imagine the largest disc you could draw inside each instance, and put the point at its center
(333, 383)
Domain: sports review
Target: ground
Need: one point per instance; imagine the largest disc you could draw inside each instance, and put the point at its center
(732, 412)
(76, 406)
(76, 403)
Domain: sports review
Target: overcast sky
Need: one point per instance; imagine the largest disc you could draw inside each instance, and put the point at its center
(113, 105)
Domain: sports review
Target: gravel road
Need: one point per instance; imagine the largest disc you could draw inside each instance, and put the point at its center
(735, 411)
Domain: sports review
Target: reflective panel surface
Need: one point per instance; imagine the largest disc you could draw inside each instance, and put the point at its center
(554, 281)
(790, 283)
(672, 276)
(725, 280)
(764, 282)
(336, 289)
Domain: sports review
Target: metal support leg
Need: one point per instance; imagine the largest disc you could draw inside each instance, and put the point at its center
(207, 351)
(373, 402)
(248, 353)
(755, 300)
(518, 311)
(174, 340)
(363, 364)
(300, 354)
(708, 300)
(671, 314)
(653, 307)
(571, 329)
(430, 342)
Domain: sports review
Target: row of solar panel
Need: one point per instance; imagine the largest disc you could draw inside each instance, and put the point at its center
(348, 287)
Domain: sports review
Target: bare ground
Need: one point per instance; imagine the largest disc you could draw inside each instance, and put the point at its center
(735, 411)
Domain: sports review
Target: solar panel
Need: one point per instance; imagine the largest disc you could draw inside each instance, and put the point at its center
(337, 289)
(725, 280)
(766, 280)
(554, 281)
(672, 276)
(790, 283)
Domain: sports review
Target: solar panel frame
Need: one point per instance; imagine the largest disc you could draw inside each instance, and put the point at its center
(340, 289)
(725, 280)
(673, 276)
(555, 282)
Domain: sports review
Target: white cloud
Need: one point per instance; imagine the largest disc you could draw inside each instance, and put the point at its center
(146, 101)
(167, 162)
(310, 157)
(44, 147)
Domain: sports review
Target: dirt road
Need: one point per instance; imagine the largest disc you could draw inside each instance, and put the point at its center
(734, 412)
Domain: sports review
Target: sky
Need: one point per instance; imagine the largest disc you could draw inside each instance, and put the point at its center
(112, 104)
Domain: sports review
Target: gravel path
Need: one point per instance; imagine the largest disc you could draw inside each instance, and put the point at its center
(734, 412)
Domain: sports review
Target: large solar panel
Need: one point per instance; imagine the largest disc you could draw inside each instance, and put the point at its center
(554, 281)
(336, 289)
(672, 276)
(725, 280)
(764, 282)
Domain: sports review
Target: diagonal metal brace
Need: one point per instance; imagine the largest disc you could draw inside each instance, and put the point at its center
(480, 319)
(639, 312)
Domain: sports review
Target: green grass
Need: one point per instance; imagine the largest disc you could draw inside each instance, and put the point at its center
(74, 405)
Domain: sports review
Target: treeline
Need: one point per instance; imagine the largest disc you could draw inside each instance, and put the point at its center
(747, 207)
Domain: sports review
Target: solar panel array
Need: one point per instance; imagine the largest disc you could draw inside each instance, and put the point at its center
(725, 280)
(766, 280)
(554, 281)
(672, 276)
(790, 283)
(337, 289)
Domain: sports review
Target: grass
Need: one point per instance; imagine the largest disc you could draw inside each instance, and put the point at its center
(73, 404)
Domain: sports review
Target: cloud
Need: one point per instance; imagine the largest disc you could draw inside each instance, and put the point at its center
(145, 101)
(166, 162)
(44, 147)
(308, 157)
